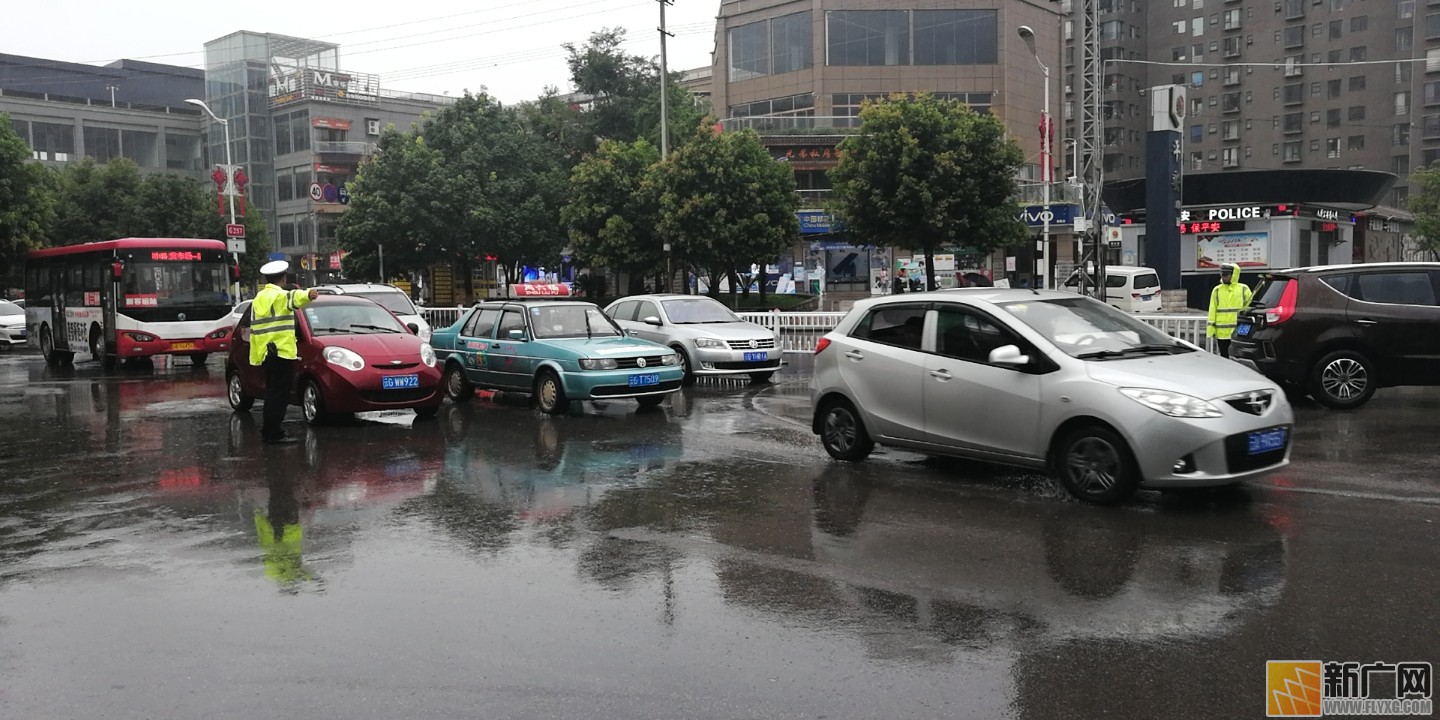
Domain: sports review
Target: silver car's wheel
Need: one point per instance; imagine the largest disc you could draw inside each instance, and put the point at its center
(1342, 380)
(843, 434)
(689, 376)
(1094, 465)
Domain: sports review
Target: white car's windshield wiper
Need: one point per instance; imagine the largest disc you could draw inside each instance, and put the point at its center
(1147, 349)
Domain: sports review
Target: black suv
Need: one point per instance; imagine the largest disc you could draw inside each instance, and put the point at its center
(1338, 332)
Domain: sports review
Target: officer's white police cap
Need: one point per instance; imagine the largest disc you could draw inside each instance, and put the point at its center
(275, 267)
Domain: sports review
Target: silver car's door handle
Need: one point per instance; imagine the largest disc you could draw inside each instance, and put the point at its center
(1365, 321)
(855, 355)
(941, 375)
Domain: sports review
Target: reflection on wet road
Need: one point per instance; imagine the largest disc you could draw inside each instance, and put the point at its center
(703, 560)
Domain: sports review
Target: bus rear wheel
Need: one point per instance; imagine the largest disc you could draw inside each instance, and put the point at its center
(53, 357)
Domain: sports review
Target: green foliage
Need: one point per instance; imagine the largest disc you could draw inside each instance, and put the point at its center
(725, 203)
(926, 173)
(625, 92)
(613, 208)
(1426, 206)
(26, 203)
(474, 180)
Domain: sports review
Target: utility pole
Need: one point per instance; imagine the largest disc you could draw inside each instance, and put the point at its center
(665, 127)
(1087, 17)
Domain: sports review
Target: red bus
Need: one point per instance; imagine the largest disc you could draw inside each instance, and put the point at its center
(135, 297)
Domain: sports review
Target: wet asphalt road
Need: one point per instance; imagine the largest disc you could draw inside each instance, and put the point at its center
(704, 561)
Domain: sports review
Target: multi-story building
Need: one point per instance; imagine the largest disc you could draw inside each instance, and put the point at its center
(1272, 84)
(300, 125)
(797, 71)
(131, 109)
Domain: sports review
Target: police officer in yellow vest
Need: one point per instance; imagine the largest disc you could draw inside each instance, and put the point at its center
(272, 345)
(1226, 301)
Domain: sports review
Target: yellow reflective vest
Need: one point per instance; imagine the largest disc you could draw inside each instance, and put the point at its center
(272, 322)
(1226, 302)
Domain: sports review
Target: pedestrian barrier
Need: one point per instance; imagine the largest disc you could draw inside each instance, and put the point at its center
(800, 331)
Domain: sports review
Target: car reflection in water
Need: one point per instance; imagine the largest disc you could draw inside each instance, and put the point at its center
(502, 476)
(918, 571)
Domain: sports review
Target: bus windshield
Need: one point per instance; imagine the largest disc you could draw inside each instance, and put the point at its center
(171, 284)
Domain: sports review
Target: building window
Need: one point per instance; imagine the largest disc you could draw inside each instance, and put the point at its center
(1404, 39)
(1355, 142)
(789, 106)
(1402, 103)
(1403, 70)
(1432, 26)
(1337, 29)
(869, 37)
(1293, 36)
(1230, 130)
(1334, 88)
(790, 46)
(140, 147)
(103, 144)
(1332, 117)
(53, 141)
(1357, 83)
(1197, 133)
(1356, 113)
(1230, 157)
(1230, 102)
(1432, 92)
(1400, 133)
(1293, 122)
(749, 51)
(1432, 61)
(1357, 54)
(1197, 161)
(1430, 127)
(1400, 165)
(1294, 9)
(955, 37)
(1232, 19)
(1290, 151)
(1359, 23)
(1405, 9)
(1332, 148)
(1294, 94)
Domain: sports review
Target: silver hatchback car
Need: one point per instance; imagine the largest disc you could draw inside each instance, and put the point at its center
(709, 338)
(1044, 379)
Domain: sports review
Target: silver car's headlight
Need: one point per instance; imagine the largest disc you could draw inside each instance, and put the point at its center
(345, 358)
(427, 354)
(598, 364)
(671, 359)
(1172, 403)
(706, 342)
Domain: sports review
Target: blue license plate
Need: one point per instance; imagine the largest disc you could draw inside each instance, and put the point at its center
(399, 382)
(645, 380)
(756, 356)
(1263, 441)
(1146, 297)
(1243, 330)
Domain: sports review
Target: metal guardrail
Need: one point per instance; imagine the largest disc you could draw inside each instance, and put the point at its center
(347, 147)
(800, 331)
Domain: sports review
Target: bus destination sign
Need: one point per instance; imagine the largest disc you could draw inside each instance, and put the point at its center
(176, 256)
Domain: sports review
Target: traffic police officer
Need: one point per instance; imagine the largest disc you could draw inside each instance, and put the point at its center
(1226, 301)
(272, 345)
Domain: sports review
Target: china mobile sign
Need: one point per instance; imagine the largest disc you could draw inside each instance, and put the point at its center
(326, 85)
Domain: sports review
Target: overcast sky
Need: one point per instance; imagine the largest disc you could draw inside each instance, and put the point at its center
(509, 47)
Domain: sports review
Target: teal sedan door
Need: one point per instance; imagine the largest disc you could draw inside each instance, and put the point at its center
(473, 346)
(508, 363)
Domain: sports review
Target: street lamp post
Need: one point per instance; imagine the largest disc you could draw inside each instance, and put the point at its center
(1028, 35)
(229, 182)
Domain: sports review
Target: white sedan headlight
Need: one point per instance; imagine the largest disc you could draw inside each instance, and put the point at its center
(427, 354)
(598, 363)
(706, 342)
(1172, 403)
(345, 358)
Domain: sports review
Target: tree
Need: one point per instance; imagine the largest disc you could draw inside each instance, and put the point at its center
(613, 209)
(96, 202)
(26, 203)
(472, 182)
(1426, 206)
(725, 203)
(924, 173)
(625, 92)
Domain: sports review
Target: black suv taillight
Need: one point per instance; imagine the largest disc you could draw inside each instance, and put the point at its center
(1284, 309)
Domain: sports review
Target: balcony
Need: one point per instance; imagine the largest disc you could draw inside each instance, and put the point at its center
(343, 147)
(814, 198)
(1033, 193)
(791, 125)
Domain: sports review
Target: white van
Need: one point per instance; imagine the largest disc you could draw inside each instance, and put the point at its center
(1132, 289)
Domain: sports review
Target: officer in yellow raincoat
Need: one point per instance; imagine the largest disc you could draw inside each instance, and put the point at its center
(272, 345)
(1226, 301)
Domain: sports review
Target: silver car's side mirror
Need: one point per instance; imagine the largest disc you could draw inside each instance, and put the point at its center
(652, 320)
(1008, 356)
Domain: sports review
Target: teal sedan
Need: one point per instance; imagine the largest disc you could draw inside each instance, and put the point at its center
(559, 352)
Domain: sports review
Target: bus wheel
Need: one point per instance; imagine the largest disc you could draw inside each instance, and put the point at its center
(53, 357)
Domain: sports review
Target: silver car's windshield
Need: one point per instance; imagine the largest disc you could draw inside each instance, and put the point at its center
(1084, 328)
(394, 301)
(698, 310)
(570, 321)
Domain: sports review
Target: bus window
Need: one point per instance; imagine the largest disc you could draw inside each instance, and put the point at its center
(37, 286)
(75, 287)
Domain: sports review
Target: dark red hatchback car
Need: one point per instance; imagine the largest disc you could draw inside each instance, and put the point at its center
(355, 356)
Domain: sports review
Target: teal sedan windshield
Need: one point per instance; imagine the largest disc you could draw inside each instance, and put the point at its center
(571, 321)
